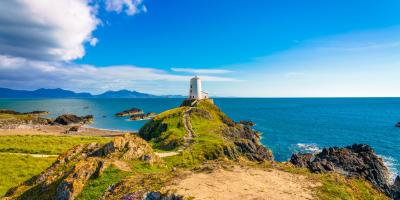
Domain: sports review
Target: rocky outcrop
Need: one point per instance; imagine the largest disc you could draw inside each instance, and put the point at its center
(396, 188)
(162, 196)
(140, 195)
(247, 123)
(130, 112)
(12, 112)
(142, 116)
(67, 176)
(69, 119)
(358, 160)
(247, 142)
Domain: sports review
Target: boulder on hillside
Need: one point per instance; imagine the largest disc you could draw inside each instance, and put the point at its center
(130, 112)
(358, 160)
(69, 119)
(247, 123)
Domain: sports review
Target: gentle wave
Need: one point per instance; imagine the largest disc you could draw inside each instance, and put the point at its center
(392, 165)
(307, 148)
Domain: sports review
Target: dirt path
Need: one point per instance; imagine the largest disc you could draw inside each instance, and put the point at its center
(29, 154)
(188, 127)
(166, 154)
(244, 184)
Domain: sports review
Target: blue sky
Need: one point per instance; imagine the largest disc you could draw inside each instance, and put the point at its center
(255, 48)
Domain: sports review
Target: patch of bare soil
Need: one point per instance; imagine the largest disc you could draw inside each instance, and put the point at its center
(243, 184)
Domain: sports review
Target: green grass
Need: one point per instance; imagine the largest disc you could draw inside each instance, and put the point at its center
(168, 139)
(17, 168)
(44, 144)
(95, 187)
(337, 187)
(21, 117)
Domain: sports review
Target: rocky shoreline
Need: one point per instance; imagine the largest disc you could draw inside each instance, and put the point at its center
(135, 114)
(236, 141)
(358, 161)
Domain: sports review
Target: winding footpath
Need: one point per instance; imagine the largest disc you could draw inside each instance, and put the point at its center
(188, 127)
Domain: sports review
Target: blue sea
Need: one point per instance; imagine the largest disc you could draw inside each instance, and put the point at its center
(287, 124)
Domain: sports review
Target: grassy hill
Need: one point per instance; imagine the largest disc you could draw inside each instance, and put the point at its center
(203, 141)
(215, 135)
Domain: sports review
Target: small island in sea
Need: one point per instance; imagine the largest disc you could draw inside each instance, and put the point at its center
(192, 151)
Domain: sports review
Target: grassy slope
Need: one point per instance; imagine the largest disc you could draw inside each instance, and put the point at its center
(44, 144)
(207, 144)
(95, 187)
(334, 186)
(208, 140)
(18, 168)
(19, 117)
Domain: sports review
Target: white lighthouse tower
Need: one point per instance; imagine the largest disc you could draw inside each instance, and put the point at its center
(195, 91)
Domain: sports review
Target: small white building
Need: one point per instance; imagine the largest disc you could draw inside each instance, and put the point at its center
(195, 91)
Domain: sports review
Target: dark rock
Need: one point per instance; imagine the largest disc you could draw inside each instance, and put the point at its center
(12, 112)
(396, 188)
(301, 160)
(162, 196)
(74, 129)
(247, 142)
(130, 112)
(247, 123)
(358, 160)
(398, 125)
(69, 119)
(142, 116)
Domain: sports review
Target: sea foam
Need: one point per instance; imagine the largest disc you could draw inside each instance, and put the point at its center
(392, 165)
(307, 148)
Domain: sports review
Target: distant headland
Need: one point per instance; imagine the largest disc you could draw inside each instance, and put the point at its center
(61, 93)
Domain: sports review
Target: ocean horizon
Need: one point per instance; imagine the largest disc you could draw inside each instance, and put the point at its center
(288, 125)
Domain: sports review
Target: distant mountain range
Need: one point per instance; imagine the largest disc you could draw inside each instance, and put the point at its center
(61, 93)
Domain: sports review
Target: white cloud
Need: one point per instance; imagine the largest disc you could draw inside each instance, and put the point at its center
(130, 7)
(201, 71)
(46, 29)
(54, 29)
(84, 77)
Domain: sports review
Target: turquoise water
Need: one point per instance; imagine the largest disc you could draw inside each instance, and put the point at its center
(288, 125)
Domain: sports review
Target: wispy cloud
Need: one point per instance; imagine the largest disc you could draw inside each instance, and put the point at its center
(201, 71)
(84, 77)
(130, 7)
(354, 64)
